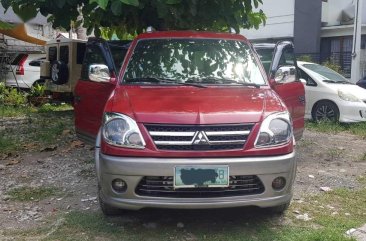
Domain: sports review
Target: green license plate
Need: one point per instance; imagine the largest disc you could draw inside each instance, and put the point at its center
(201, 176)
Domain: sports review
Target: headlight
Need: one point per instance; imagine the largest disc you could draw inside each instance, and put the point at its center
(121, 130)
(275, 130)
(347, 96)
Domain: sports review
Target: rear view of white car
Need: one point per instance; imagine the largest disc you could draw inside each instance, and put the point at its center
(24, 71)
(330, 96)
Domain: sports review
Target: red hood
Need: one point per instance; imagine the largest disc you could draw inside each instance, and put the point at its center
(190, 105)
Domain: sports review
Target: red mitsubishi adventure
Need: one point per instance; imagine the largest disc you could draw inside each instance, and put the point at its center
(190, 121)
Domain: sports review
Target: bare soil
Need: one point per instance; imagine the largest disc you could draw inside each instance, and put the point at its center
(324, 160)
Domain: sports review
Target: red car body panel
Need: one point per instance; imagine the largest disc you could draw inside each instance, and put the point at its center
(293, 94)
(194, 106)
(89, 109)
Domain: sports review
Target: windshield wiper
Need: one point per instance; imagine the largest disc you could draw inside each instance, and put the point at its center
(162, 81)
(337, 82)
(214, 80)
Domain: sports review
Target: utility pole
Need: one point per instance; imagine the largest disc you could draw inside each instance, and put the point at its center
(356, 46)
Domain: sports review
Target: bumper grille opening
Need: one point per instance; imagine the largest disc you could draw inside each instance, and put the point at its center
(162, 186)
(199, 137)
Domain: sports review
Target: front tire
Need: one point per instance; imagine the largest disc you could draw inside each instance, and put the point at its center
(280, 209)
(325, 111)
(107, 209)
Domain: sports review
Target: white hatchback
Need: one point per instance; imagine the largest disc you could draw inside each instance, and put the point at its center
(330, 96)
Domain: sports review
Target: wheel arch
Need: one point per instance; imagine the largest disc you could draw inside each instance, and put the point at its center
(323, 100)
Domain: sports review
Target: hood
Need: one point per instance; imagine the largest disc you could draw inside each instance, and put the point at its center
(190, 105)
(349, 88)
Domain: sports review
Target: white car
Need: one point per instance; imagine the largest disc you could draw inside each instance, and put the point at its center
(24, 71)
(330, 96)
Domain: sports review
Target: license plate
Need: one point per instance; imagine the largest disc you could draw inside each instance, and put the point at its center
(201, 176)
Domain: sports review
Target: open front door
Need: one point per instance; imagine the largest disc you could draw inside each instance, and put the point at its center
(284, 79)
(97, 81)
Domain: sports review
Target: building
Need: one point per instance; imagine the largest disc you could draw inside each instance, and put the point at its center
(38, 27)
(322, 29)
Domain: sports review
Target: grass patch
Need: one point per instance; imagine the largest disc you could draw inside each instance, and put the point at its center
(363, 157)
(49, 132)
(54, 107)
(334, 153)
(11, 111)
(26, 110)
(7, 144)
(358, 129)
(25, 194)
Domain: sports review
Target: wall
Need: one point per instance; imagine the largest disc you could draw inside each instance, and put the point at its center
(334, 8)
(307, 26)
(280, 21)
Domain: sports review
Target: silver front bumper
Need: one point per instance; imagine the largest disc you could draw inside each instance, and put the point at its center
(133, 169)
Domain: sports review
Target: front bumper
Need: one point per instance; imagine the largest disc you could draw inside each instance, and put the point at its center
(352, 111)
(133, 169)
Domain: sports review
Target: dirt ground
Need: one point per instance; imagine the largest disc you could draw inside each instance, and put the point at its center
(324, 160)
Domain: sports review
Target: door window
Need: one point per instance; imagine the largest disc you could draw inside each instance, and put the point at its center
(52, 54)
(64, 54)
(93, 56)
(309, 80)
(287, 66)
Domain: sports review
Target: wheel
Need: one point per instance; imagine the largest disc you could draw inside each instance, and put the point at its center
(38, 82)
(325, 111)
(279, 209)
(107, 209)
(59, 72)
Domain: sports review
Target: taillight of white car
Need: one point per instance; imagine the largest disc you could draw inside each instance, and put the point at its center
(20, 67)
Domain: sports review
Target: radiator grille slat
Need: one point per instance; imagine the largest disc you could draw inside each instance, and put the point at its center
(163, 187)
(199, 137)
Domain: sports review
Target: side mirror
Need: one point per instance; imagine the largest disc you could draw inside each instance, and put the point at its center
(285, 74)
(303, 81)
(99, 73)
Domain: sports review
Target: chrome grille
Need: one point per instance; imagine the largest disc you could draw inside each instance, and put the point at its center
(199, 137)
(160, 186)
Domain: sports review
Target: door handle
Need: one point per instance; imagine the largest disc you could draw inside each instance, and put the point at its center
(77, 99)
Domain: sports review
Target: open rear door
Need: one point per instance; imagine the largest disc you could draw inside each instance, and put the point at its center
(284, 79)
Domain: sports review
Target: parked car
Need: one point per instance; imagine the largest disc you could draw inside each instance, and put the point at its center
(24, 71)
(362, 82)
(191, 121)
(330, 96)
(62, 66)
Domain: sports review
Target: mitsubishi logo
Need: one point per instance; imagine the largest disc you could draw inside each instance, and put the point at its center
(200, 138)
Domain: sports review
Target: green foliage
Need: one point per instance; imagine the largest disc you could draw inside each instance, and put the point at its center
(4, 25)
(333, 65)
(37, 90)
(123, 17)
(11, 96)
(305, 58)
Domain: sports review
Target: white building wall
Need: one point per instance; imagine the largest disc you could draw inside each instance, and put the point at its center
(332, 10)
(280, 21)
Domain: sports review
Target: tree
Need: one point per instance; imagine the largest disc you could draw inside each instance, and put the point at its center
(133, 16)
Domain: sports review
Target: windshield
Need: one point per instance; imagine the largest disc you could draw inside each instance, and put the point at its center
(326, 73)
(204, 61)
(266, 57)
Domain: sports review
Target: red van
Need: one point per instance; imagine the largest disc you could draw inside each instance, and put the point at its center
(191, 120)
